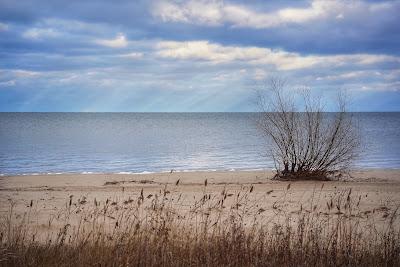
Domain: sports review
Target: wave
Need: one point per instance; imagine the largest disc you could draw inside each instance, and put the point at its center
(136, 172)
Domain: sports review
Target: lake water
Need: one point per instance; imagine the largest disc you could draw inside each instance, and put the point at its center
(32, 143)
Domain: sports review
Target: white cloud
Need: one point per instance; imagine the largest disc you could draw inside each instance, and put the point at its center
(133, 55)
(214, 12)
(390, 75)
(318, 9)
(241, 16)
(25, 73)
(41, 33)
(282, 60)
(203, 50)
(7, 83)
(18, 73)
(201, 12)
(394, 87)
(347, 75)
(217, 12)
(118, 42)
(10, 77)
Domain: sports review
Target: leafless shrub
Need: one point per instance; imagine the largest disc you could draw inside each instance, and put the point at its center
(307, 143)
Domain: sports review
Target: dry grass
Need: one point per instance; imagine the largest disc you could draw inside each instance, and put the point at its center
(224, 229)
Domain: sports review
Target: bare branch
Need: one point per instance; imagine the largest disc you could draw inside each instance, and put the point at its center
(307, 144)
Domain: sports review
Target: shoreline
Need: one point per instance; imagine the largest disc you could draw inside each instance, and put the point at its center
(136, 173)
(361, 169)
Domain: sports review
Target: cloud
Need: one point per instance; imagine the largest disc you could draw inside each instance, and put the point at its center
(303, 26)
(213, 13)
(195, 53)
(40, 33)
(282, 60)
(241, 16)
(18, 73)
(347, 75)
(201, 12)
(119, 42)
(383, 87)
(8, 83)
(133, 55)
(218, 12)
(10, 77)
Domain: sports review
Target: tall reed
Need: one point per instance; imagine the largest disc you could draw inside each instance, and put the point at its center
(225, 229)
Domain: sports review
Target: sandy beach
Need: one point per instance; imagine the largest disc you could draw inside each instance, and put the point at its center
(214, 217)
(377, 189)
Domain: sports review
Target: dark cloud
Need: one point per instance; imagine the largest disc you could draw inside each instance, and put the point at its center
(357, 31)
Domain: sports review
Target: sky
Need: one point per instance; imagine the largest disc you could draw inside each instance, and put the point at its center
(194, 56)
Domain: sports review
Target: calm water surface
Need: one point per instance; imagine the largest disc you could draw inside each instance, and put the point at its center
(154, 142)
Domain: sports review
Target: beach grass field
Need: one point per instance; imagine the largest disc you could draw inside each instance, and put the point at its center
(199, 219)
